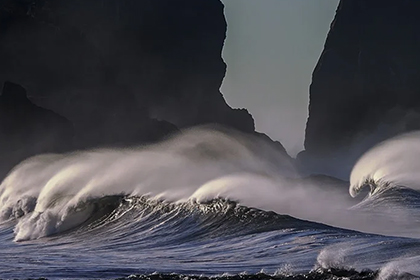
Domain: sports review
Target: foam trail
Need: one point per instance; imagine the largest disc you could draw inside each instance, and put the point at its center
(393, 162)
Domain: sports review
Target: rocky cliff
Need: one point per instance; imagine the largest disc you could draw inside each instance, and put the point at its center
(123, 72)
(27, 130)
(366, 85)
(101, 63)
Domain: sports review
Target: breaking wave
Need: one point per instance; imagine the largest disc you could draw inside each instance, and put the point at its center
(49, 194)
(207, 202)
(394, 162)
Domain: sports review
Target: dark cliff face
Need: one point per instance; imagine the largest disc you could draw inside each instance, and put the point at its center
(366, 86)
(110, 63)
(123, 72)
(27, 130)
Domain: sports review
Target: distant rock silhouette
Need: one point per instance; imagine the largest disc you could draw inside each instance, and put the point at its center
(124, 72)
(161, 56)
(366, 85)
(27, 130)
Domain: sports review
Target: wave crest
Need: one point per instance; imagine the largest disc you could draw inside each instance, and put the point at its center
(51, 187)
(216, 217)
(391, 163)
(50, 194)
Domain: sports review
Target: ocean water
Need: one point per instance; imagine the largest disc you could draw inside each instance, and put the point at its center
(210, 204)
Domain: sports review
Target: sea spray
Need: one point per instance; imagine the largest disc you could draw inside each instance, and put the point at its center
(199, 164)
(49, 193)
(406, 268)
(393, 162)
(173, 170)
(203, 203)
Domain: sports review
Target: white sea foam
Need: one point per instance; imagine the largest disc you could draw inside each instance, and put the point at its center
(200, 164)
(393, 162)
(402, 268)
(48, 192)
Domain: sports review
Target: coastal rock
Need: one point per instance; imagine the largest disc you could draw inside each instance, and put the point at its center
(27, 130)
(147, 59)
(365, 86)
(125, 73)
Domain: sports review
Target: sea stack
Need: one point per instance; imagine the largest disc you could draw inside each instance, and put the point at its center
(162, 58)
(366, 85)
(125, 72)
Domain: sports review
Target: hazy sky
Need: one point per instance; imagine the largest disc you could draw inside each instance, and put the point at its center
(271, 51)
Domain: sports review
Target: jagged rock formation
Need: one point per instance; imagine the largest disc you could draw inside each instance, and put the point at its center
(27, 130)
(109, 63)
(124, 72)
(366, 86)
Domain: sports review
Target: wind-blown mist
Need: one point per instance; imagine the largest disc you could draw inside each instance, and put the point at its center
(210, 195)
(391, 163)
(271, 50)
(391, 171)
(54, 193)
(199, 165)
